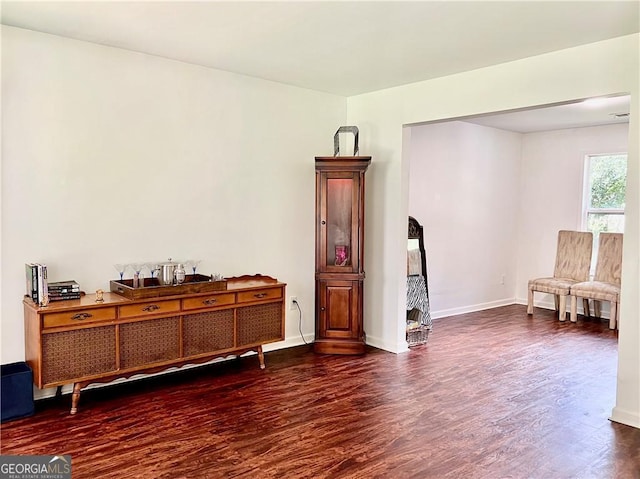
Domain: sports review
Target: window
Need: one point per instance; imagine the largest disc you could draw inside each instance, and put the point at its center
(604, 196)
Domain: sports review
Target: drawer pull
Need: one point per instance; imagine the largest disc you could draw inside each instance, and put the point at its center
(81, 316)
(150, 308)
(260, 295)
(210, 301)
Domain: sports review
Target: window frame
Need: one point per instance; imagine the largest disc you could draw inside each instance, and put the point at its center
(586, 201)
(586, 190)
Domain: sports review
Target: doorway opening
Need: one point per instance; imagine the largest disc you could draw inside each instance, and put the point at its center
(492, 191)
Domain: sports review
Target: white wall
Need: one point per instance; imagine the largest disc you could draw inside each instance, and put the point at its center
(596, 69)
(551, 194)
(471, 186)
(128, 140)
(463, 189)
(112, 156)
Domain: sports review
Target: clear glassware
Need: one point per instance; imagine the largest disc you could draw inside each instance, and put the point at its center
(128, 267)
(152, 269)
(137, 268)
(194, 264)
(180, 273)
(120, 268)
(188, 265)
(217, 277)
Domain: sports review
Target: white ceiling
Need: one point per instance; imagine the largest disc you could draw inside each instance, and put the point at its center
(345, 48)
(340, 47)
(592, 112)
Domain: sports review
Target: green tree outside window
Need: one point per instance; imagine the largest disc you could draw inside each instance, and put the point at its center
(607, 179)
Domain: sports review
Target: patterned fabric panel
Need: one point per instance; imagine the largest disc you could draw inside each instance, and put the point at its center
(551, 285)
(573, 256)
(596, 290)
(207, 332)
(609, 267)
(151, 341)
(93, 351)
(258, 324)
(417, 298)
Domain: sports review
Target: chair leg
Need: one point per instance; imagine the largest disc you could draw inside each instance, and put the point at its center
(613, 312)
(574, 309)
(562, 312)
(596, 308)
(556, 301)
(585, 307)
(530, 302)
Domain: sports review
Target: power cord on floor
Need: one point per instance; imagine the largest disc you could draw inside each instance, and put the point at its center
(295, 301)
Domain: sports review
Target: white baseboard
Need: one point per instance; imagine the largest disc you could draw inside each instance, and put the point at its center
(550, 304)
(68, 389)
(386, 345)
(625, 417)
(289, 343)
(472, 308)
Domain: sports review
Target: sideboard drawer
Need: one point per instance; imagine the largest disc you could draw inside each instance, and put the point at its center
(209, 301)
(152, 307)
(259, 294)
(73, 318)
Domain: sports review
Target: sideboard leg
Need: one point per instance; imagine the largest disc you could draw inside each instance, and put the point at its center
(59, 391)
(75, 397)
(261, 357)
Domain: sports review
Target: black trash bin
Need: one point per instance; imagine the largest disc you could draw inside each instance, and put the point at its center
(16, 391)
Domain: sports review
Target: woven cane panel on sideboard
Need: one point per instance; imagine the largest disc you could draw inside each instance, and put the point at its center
(260, 323)
(147, 342)
(79, 353)
(207, 332)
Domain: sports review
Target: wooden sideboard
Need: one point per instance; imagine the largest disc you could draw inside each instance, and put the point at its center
(82, 341)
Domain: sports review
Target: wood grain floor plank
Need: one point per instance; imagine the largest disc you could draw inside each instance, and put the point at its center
(493, 394)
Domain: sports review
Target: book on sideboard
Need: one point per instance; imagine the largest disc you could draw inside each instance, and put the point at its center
(63, 290)
(43, 292)
(31, 272)
(64, 297)
(67, 283)
(37, 285)
(64, 287)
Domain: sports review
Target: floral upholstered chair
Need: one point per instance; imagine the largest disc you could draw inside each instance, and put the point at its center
(573, 259)
(606, 283)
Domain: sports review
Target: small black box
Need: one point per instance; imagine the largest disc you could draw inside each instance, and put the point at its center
(16, 391)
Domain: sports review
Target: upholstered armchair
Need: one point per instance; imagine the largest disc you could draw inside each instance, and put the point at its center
(606, 282)
(573, 259)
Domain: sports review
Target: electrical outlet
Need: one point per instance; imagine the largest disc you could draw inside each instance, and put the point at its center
(292, 302)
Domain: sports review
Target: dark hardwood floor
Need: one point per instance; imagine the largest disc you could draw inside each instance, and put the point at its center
(494, 394)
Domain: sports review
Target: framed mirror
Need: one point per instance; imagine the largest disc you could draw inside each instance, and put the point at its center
(418, 314)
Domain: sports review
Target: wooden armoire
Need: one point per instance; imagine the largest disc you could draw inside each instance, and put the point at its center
(340, 254)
